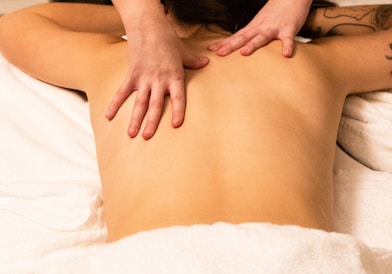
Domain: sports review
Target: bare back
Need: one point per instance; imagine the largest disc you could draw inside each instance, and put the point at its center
(257, 146)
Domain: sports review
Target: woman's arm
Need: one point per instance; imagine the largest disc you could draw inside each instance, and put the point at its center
(347, 20)
(82, 17)
(59, 42)
(359, 55)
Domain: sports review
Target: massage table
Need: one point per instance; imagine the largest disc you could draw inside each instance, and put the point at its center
(52, 214)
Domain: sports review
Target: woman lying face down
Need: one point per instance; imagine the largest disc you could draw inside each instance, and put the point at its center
(258, 140)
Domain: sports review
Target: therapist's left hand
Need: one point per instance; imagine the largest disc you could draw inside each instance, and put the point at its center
(278, 19)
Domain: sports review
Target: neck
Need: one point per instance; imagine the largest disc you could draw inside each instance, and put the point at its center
(194, 31)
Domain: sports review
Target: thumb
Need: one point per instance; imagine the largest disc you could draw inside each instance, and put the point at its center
(194, 62)
(288, 47)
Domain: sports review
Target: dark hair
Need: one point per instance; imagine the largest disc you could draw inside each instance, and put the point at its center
(230, 15)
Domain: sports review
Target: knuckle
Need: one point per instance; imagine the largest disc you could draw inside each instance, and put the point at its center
(156, 104)
(141, 101)
(259, 41)
(178, 96)
(134, 125)
(269, 32)
(239, 41)
(177, 75)
(156, 101)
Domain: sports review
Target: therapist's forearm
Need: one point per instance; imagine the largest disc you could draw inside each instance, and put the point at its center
(139, 14)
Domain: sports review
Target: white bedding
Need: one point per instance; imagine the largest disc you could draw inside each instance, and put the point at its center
(51, 207)
(366, 127)
(50, 202)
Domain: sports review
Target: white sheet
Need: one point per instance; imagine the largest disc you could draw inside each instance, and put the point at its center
(55, 221)
(366, 129)
(39, 121)
(50, 197)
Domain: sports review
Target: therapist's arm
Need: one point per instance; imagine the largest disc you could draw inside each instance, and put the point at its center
(156, 66)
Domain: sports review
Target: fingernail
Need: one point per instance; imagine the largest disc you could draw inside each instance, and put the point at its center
(212, 47)
(147, 135)
(245, 52)
(287, 53)
(132, 132)
(176, 123)
(204, 60)
(222, 52)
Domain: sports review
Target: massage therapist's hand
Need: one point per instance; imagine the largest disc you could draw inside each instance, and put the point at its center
(278, 19)
(156, 67)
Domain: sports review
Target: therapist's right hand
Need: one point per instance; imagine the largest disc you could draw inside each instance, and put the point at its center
(157, 58)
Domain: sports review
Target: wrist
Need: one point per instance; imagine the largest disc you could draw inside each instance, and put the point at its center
(140, 14)
(137, 8)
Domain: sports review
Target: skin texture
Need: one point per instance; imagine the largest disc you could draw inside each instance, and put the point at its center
(157, 70)
(254, 147)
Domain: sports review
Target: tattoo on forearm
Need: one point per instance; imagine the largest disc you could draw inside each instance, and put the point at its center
(382, 15)
(379, 15)
(353, 20)
(356, 13)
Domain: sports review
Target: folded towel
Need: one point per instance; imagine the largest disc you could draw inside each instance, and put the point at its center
(226, 248)
(366, 128)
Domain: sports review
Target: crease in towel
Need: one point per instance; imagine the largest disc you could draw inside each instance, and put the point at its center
(365, 129)
(56, 142)
(58, 205)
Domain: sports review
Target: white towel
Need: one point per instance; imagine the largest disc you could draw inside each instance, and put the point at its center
(45, 131)
(57, 205)
(226, 248)
(363, 206)
(365, 130)
(362, 244)
(41, 219)
(50, 204)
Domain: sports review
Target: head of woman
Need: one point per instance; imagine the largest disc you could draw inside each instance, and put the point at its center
(229, 15)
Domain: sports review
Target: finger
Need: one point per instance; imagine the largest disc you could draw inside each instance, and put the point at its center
(256, 43)
(121, 95)
(139, 111)
(194, 62)
(218, 45)
(232, 44)
(178, 102)
(154, 114)
(288, 47)
(215, 46)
